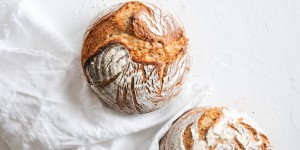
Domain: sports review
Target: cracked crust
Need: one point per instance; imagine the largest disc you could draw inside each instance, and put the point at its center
(214, 128)
(135, 57)
(150, 37)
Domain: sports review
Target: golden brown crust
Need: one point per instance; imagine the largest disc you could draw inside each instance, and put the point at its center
(214, 128)
(125, 27)
(207, 120)
(265, 142)
(135, 57)
(188, 138)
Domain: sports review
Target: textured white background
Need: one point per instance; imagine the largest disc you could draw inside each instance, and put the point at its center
(248, 50)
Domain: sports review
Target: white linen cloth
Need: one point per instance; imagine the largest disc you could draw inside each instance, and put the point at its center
(45, 102)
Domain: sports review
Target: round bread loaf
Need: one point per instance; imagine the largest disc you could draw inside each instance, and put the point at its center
(214, 129)
(135, 57)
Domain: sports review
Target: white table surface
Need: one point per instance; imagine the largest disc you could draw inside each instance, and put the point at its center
(248, 50)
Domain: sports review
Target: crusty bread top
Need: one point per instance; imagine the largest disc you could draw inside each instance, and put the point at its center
(214, 129)
(151, 36)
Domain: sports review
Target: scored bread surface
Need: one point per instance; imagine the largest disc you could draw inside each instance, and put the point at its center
(214, 129)
(135, 57)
